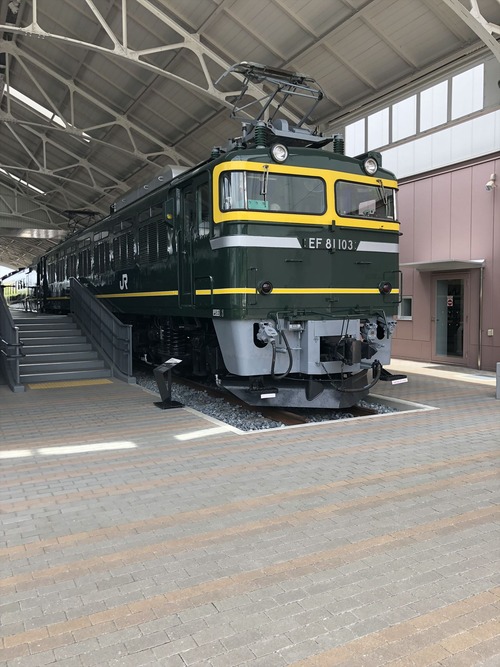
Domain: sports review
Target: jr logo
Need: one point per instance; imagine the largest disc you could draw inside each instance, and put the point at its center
(124, 281)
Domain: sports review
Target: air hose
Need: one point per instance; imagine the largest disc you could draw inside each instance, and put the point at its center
(377, 372)
(290, 357)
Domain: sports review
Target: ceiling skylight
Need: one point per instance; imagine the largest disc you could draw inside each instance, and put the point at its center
(20, 180)
(46, 113)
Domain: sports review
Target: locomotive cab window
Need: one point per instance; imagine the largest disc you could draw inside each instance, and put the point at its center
(265, 191)
(362, 200)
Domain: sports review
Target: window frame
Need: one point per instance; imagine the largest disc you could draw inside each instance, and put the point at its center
(408, 300)
(358, 216)
(228, 179)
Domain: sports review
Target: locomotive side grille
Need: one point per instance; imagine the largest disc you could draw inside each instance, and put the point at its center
(71, 266)
(149, 243)
(83, 262)
(116, 254)
(153, 242)
(101, 257)
(162, 241)
(128, 252)
(143, 245)
(123, 251)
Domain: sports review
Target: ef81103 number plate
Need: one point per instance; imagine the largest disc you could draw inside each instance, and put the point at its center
(319, 243)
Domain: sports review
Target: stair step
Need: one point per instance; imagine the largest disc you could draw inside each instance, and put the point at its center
(41, 319)
(56, 356)
(67, 375)
(59, 340)
(56, 348)
(25, 327)
(53, 333)
(59, 366)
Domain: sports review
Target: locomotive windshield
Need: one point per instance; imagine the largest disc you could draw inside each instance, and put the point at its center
(264, 191)
(361, 200)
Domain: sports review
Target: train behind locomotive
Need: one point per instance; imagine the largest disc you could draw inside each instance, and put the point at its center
(272, 266)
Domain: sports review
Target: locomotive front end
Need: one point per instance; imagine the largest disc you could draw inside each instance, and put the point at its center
(312, 242)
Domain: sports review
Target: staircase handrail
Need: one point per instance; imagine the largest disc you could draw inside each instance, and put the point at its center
(112, 338)
(10, 347)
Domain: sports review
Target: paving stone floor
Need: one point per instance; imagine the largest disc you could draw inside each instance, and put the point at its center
(133, 536)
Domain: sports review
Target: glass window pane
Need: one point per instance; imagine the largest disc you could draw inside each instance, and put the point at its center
(232, 191)
(467, 92)
(404, 118)
(355, 138)
(378, 129)
(434, 106)
(362, 201)
(264, 191)
(405, 308)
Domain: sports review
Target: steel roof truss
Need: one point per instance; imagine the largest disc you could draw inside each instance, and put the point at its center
(477, 22)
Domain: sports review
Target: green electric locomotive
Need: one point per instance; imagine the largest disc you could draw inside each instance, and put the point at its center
(272, 266)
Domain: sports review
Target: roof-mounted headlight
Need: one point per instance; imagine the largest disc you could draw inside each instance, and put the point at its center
(279, 152)
(370, 165)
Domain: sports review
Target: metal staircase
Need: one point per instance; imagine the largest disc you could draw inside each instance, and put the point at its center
(54, 348)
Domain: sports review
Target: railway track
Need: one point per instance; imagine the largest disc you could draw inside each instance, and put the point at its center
(286, 417)
(274, 414)
(265, 417)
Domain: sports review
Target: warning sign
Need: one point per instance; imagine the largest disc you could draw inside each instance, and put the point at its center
(449, 301)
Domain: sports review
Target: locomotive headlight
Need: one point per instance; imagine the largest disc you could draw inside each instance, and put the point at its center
(370, 165)
(279, 152)
(265, 287)
(385, 288)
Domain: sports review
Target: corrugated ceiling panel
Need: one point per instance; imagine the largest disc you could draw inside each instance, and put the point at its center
(336, 80)
(366, 56)
(272, 27)
(194, 14)
(320, 17)
(429, 37)
(238, 43)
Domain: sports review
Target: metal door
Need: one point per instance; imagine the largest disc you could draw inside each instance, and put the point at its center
(450, 321)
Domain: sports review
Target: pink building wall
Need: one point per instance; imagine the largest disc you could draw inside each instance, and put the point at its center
(451, 216)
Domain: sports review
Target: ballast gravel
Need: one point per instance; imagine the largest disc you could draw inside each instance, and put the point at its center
(237, 416)
(218, 408)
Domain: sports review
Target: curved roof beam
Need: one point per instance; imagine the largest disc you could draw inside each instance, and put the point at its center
(121, 49)
(19, 252)
(21, 211)
(28, 227)
(29, 65)
(41, 166)
(477, 22)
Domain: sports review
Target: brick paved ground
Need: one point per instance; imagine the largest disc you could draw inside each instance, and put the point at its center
(163, 539)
